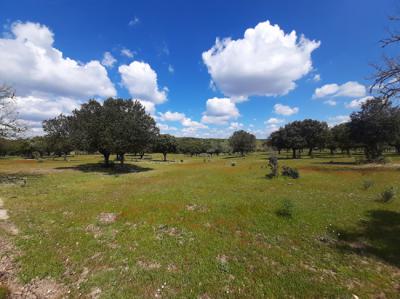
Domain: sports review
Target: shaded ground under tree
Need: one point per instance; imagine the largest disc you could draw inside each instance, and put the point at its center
(378, 235)
(111, 169)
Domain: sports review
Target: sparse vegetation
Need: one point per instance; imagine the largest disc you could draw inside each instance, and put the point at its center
(165, 212)
(207, 226)
(4, 292)
(367, 184)
(387, 195)
(286, 209)
(273, 165)
(290, 172)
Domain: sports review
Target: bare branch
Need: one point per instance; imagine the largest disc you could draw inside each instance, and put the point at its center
(9, 125)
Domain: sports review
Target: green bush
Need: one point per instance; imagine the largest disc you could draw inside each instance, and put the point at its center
(367, 184)
(387, 195)
(286, 209)
(290, 172)
(273, 165)
(382, 160)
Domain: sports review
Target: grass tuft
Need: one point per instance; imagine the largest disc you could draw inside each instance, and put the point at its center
(286, 209)
(387, 195)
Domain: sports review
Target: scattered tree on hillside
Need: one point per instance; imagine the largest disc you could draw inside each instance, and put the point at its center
(294, 139)
(277, 140)
(195, 146)
(242, 142)
(396, 139)
(165, 144)
(342, 138)
(9, 125)
(375, 126)
(331, 143)
(58, 133)
(315, 133)
(118, 126)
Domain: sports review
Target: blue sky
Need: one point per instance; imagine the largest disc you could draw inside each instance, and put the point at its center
(259, 82)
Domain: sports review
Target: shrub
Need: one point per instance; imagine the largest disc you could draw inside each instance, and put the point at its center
(286, 209)
(382, 160)
(290, 172)
(359, 161)
(233, 163)
(273, 165)
(367, 184)
(387, 195)
(36, 155)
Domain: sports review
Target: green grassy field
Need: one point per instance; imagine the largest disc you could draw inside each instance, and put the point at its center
(197, 229)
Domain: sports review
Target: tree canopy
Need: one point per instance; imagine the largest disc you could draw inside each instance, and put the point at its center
(242, 142)
(58, 134)
(165, 144)
(116, 126)
(375, 126)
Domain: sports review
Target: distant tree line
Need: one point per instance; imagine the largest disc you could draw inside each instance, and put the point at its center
(115, 126)
(375, 128)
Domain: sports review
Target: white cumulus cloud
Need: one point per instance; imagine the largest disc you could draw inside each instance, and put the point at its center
(134, 21)
(219, 111)
(126, 52)
(265, 62)
(30, 63)
(317, 78)
(330, 102)
(172, 116)
(46, 82)
(141, 81)
(338, 119)
(183, 119)
(272, 124)
(285, 110)
(274, 121)
(108, 60)
(351, 89)
(355, 104)
(235, 126)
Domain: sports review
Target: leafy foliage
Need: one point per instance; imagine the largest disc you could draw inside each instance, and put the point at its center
(375, 126)
(290, 172)
(58, 133)
(165, 144)
(387, 195)
(118, 126)
(367, 184)
(242, 142)
(286, 209)
(273, 165)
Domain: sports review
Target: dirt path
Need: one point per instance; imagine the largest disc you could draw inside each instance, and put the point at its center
(36, 288)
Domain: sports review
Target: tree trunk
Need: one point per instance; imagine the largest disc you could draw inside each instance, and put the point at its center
(279, 151)
(397, 146)
(348, 152)
(106, 158)
(122, 158)
(310, 151)
(165, 156)
(332, 152)
(294, 153)
(141, 156)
